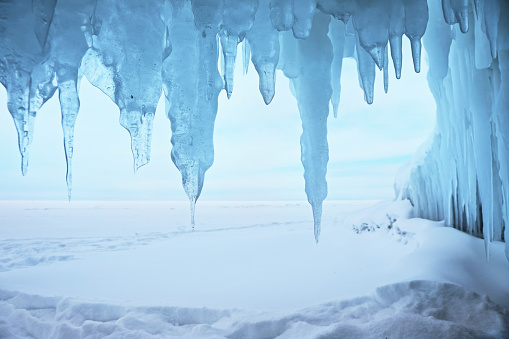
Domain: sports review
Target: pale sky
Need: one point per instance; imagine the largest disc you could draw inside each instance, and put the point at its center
(257, 150)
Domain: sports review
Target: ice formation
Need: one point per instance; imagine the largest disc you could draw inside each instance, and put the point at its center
(133, 50)
(461, 174)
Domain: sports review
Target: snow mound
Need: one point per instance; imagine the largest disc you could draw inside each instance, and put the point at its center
(415, 309)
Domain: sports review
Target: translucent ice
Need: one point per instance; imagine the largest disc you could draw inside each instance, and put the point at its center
(191, 85)
(133, 49)
(238, 17)
(461, 176)
(366, 69)
(313, 92)
(416, 19)
(128, 50)
(70, 33)
(264, 42)
(337, 37)
(26, 74)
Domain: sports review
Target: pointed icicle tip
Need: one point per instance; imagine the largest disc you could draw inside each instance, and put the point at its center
(24, 164)
(267, 82)
(386, 70)
(139, 161)
(335, 111)
(267, 95)
(192, 208)
(317, 219)
(68, 180)
(487, 248)
(368, 94)
(463, 20)
(416, 54)
(377, 53)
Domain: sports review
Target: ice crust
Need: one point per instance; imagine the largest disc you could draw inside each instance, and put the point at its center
(133, 50)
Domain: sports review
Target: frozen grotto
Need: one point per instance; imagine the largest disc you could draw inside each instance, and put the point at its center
(132, 49)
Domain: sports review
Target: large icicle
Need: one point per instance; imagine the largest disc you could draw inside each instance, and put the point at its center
(263, 39)
(24, 71)
(71, 33)
(313, 92)
(128, 50)
(191, 84)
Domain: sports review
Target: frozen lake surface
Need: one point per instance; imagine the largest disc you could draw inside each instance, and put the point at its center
(249, 269)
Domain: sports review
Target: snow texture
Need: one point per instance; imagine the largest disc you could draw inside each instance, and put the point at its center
(415, 309)
(120, 270)
(131, 50)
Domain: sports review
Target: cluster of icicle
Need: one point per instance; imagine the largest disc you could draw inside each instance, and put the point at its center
(132, 49)
(462, 174)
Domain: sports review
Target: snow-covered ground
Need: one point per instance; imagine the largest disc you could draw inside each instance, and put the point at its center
(248, 270)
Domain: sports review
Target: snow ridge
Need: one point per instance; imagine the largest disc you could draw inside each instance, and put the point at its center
(416, 309)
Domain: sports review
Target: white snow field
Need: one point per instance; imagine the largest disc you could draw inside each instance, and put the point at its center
(248, 270)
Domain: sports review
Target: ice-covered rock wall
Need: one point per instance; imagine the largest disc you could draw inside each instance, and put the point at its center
(462, 175)
(135, 50)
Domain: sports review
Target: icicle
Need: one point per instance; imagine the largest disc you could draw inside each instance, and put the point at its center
(501, 114)
(350, 41)
(229, 46)
(482, 46)
(281, 14)
(134, 69)
(192, 208)
(337, 37)
(366, 70)
(72, 25)
(246, 54)
(69, 105)
(187, 74)
(18, 103)
(416, 20)
(25, 70)
(313, 92)
(461, 12)
(371, 21)
(491, 20)
(456, 11)
(396, 30)
(438, 42)
(317, 220)
(232, 32)
(396, 54)
(449, 16)
(207, 17)
(288, 59)
(386, 70)
(264, 42)
(303, 13)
